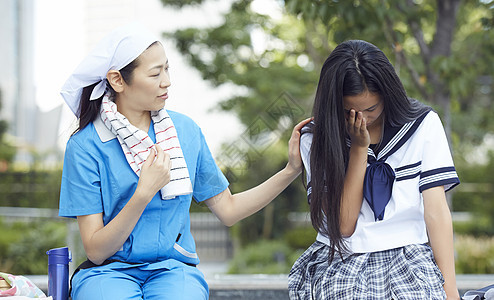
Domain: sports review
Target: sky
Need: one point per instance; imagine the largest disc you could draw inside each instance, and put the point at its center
(61, 43)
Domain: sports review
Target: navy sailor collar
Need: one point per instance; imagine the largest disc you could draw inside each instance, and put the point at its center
(379, 175)
(393, 139)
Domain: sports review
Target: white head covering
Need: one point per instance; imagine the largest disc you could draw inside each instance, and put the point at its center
(113, 52)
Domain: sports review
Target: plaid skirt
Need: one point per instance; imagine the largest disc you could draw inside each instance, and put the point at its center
(409, 272)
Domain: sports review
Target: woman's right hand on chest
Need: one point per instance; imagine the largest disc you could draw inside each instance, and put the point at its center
(155, 173)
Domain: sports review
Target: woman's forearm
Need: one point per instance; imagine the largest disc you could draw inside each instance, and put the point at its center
(102, 241)
(232, 208)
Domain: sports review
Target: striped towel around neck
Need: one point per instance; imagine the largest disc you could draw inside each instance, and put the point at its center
(136, 145)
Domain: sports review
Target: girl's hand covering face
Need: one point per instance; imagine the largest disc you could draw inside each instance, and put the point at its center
(356, 126)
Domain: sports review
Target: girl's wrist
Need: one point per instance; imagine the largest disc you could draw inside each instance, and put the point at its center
(451, 292)
(359, 154)
(358, 149)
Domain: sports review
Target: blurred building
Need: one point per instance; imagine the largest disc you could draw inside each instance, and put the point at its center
(42, 42)
(32, 130)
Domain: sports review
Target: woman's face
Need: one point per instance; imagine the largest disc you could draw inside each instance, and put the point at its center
(148, 89)
(370, 104)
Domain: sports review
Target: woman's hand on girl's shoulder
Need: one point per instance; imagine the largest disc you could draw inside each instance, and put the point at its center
(357, 129)
(294, 157)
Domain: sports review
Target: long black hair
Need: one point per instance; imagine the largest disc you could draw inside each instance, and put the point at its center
(89, 109)
(352, 67)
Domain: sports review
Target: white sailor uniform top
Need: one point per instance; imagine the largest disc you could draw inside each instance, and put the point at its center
(413, 157)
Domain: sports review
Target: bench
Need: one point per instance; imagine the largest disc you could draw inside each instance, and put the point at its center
(274, 287)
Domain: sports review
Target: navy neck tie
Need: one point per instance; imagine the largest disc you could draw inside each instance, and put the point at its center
(378, 185)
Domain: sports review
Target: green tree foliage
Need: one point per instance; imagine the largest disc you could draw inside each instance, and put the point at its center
(278, 78)
(265, 257)
(23, 245)
(474, 255)
(442, 50)
(226, 54)
(445, 48)
(476, 195)
(30, 189)
(7, 151)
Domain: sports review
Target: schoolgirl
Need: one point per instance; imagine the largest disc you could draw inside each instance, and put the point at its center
(131, 170)
(378, 165)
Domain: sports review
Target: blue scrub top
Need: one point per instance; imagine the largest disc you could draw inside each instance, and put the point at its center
(97, 179)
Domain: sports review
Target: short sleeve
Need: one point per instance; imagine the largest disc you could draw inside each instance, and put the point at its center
(437, 164)
(80, 191)
(305, 144)
(209, 180)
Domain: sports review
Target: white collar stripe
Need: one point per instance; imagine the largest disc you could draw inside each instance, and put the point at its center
(395, 139)
(401, 137)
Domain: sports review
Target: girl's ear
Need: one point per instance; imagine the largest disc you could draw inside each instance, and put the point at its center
(116, 81)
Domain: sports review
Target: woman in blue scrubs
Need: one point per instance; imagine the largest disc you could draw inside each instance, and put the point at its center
(131, 170)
